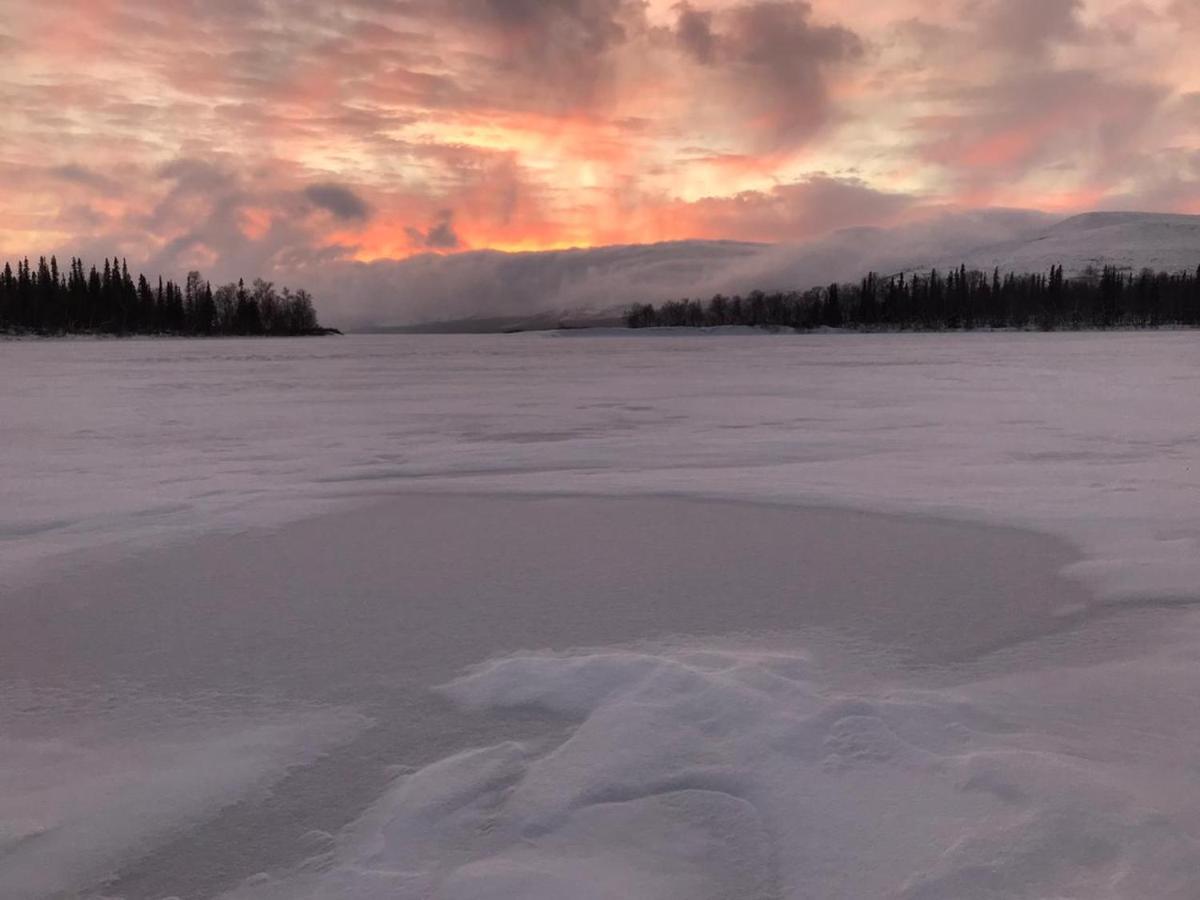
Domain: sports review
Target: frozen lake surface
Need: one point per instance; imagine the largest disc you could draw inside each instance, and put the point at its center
(623, 616)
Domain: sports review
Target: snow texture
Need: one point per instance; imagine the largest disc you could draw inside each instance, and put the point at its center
(739, 774)
(710, 767)
(1088, 436)
(80, 796)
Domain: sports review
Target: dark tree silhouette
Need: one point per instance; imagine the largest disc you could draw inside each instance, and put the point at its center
(959, 300)
(46, 300)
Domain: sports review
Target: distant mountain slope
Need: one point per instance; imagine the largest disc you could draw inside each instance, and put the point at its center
(493, 291)
(1127, 240)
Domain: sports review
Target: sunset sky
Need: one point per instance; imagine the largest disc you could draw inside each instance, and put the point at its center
(283, 132)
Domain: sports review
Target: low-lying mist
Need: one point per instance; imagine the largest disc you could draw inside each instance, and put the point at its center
(432, 288)
(593, 283)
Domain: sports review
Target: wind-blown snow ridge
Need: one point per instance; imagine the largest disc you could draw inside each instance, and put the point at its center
(718, 774)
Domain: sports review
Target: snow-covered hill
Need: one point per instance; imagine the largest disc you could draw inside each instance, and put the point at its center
(1127, 240)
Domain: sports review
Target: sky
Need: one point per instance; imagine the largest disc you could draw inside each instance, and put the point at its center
(277, 135)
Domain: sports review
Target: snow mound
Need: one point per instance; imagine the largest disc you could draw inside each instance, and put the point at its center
(721, 774)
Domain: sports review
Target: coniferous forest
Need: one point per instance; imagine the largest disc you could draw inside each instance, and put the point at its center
(960, 300)
(44, 299)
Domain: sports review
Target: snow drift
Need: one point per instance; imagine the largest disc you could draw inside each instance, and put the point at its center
(735, 773)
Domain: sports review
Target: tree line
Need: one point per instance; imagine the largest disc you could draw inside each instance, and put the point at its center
(44, 299)
(959, 300)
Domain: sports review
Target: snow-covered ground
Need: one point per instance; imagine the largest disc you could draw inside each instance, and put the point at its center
(1090, 436)
(219, 629)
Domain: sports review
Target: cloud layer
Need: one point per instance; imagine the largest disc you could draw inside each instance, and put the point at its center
(289, 136)
(604, 281)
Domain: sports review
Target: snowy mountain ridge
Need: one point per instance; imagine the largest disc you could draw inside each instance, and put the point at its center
(1127, 240)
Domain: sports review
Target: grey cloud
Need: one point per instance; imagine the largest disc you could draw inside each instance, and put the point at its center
(1189, 105)
(548, 52)
(200, 220)
(438, 236)
(1187, 13)
(694, 30)
(81, 216)
(1028, 27)
(196, 175)
(339, 200)
(773, 35)
(775, 56)
(84, 176)
(590, 25)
